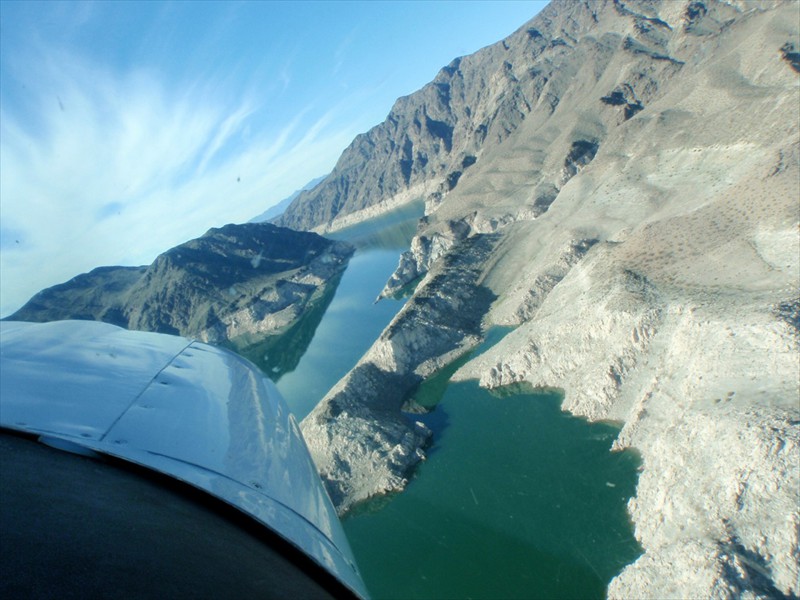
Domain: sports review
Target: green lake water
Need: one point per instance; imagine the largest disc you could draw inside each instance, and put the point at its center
(517, 499)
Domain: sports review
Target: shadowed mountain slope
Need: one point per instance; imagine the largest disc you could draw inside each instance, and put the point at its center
(241, 285)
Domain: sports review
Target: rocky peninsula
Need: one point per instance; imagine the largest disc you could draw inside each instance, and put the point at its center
(256, 287)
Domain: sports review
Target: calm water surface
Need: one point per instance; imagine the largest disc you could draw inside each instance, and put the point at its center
(351, 323)
(353, 320)
(516, 500)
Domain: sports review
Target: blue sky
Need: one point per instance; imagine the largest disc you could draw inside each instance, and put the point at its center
(127, 128)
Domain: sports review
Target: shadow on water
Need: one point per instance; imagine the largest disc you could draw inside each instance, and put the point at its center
(430, 392)
(277, 355)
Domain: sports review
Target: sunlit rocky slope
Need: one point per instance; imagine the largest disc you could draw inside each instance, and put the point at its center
(242, 285)
(620, 181)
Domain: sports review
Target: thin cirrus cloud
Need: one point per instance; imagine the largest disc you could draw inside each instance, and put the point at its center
(115, 168)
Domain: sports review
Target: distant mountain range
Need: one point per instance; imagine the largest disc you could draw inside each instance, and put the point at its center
(278, 209)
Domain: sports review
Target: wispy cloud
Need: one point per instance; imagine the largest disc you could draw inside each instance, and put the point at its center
(341, 52)
(114, 168)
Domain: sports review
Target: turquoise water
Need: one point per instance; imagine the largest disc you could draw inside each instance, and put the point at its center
(390, 231)
(516, 500)
(351, 324)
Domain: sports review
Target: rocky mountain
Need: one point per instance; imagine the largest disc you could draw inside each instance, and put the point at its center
(619, 180)
(247, 286)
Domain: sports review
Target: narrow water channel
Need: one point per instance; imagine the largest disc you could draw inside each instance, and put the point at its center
(516, 500)
(353, 320)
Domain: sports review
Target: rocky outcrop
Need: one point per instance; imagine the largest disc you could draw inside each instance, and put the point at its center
(439, 236)
(638, 172)
(359, 437)
(240, 285)
(425, 250)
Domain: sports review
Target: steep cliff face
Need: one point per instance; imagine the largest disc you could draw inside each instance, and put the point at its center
(238, 284)
(637, 168)
(434, 136)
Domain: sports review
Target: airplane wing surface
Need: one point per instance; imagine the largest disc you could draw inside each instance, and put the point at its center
(175, 407)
